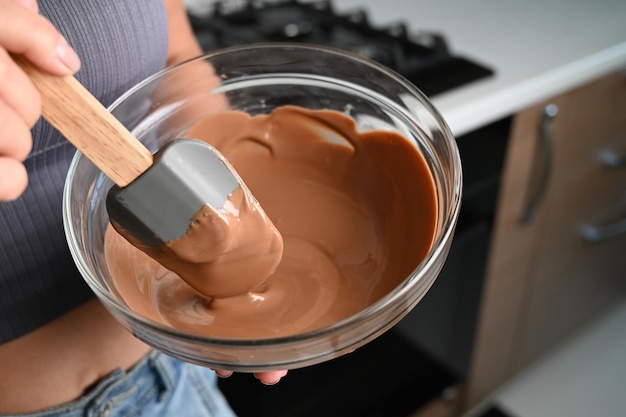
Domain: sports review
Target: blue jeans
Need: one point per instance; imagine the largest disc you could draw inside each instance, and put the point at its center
(157, 386)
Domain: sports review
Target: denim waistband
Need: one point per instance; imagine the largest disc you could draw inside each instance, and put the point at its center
(155, 374)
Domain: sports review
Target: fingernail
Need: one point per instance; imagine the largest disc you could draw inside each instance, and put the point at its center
(68, 56)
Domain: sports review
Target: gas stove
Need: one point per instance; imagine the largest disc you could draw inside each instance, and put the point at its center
(424, 58)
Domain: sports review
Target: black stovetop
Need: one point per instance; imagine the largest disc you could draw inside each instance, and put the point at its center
(424, 58)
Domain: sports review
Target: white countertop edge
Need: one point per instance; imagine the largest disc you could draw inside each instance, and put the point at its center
(474, 106)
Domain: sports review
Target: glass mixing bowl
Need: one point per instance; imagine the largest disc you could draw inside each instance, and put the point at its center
(257, 79)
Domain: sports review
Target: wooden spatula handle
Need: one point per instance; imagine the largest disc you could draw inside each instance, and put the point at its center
(87, 124)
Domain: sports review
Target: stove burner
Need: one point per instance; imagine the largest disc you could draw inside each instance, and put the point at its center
(422, 57)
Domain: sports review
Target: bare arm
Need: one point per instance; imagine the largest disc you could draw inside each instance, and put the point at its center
(182, 44)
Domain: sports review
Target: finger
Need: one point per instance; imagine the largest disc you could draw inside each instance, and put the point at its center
(13, 178)
(270, 378)
(15, 137)
(23, 31)
(17, 93)
(223, 374)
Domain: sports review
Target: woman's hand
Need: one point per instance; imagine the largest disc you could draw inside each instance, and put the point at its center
(23, 31)
(267, 378)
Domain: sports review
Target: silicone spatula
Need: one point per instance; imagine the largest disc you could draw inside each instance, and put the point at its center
(155, 196)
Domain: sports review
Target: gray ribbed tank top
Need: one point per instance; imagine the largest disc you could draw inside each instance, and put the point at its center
(120, 42)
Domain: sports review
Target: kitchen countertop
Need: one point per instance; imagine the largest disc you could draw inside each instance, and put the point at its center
(538, 49)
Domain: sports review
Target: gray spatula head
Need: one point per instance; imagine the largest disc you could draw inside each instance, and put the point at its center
(159, 205)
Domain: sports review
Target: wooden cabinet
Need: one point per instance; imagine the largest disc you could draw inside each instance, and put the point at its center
(545, 279)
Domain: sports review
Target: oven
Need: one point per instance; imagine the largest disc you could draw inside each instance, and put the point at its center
(429, 350)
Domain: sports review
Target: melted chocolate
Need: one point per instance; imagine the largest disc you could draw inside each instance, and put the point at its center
(356, 212)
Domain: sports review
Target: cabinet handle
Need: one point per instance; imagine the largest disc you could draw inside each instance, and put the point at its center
(610, 224)
(544, 160)
(612, 159)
